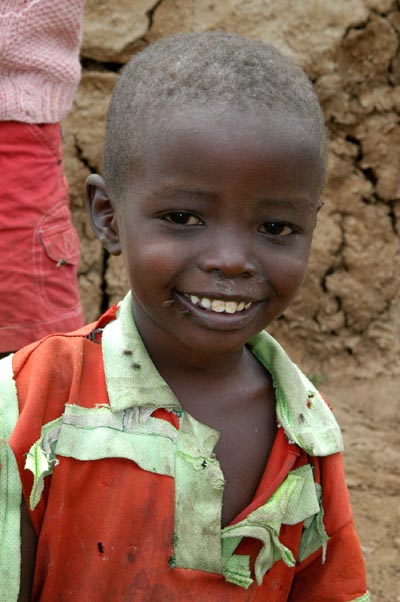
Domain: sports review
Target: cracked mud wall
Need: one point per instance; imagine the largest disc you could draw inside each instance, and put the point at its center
(347, 316)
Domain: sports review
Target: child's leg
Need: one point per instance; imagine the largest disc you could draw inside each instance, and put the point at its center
(39, 247)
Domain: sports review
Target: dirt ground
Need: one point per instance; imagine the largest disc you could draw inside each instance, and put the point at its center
(368, 412)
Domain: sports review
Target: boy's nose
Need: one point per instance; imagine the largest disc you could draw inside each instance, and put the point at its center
(229, 256)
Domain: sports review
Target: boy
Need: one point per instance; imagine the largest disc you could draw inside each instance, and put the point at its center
(176, 452)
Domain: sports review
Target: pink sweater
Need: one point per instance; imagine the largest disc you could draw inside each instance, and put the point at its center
(39, 58)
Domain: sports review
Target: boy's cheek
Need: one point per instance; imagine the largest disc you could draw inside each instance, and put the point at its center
(155, 261)
(291, 274)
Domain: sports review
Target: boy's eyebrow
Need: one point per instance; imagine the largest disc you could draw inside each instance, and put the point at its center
(172, 190)
(293, 203)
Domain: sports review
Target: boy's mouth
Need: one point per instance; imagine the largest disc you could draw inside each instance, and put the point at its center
(218, 306)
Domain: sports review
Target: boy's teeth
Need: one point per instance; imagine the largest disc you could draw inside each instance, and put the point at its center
(218, 305)
(231, 307)
(206, 303)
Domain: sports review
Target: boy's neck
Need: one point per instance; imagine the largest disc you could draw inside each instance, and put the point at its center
(179, 362)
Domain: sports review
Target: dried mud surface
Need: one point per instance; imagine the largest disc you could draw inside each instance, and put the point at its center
(347, 317)
(368, 413)
(344, 327)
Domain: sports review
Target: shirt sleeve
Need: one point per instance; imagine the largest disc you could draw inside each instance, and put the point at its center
(336, 574)
(341, 578)
(10, 489)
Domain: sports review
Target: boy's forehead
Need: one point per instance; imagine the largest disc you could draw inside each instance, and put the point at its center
(251, 133)
(205, 149)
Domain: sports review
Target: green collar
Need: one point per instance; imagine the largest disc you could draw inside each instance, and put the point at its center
(133, 381)
(132, 378)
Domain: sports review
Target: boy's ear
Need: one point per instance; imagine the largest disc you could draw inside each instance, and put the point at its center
(102, 214)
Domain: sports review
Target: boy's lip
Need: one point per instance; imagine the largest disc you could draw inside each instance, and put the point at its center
(219, 320)
(219, 303)
(218, 295)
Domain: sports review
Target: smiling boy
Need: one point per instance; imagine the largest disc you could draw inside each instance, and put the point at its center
(172, 451)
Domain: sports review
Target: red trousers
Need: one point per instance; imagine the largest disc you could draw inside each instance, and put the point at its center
(39, 247)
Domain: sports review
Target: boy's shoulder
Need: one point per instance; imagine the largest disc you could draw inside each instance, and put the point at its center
(52, 372)
(301, 410)
(61, 348)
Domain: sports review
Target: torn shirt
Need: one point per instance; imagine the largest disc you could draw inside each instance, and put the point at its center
(125, 490)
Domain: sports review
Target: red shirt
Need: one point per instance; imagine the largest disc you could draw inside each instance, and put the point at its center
(106, 527)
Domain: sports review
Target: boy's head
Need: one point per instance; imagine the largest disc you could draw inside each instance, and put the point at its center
(214, 165)
(211, 70)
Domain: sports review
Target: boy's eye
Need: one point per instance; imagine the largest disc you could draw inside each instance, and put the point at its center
(276, 229)
(182, 218)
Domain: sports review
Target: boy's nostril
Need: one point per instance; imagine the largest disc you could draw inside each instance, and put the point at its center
(229, 273)
(228, 266)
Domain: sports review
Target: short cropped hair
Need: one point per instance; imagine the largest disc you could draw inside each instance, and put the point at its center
(199, 70)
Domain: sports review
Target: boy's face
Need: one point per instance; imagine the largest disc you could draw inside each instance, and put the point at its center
(216, 227)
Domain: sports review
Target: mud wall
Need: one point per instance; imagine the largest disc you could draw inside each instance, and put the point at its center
(347, 317)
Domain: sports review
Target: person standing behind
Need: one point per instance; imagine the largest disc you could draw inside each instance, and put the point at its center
(39, 247)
